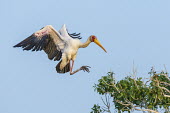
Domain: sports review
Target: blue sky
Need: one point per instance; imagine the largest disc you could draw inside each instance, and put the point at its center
(131, 31)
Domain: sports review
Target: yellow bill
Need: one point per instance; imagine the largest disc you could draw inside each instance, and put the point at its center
(98, 43)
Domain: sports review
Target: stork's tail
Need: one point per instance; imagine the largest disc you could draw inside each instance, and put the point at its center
(64, 70)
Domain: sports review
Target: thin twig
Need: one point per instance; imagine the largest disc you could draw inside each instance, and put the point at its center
(165, 83)
(111, 85)
(106, 103)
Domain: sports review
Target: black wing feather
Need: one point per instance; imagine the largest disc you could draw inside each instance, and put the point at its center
(45, 43)
(75, 35)
(32, 43)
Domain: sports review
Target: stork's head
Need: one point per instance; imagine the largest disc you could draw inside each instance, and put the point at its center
(95, 40)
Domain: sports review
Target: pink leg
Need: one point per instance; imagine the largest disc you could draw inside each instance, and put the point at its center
(84, 68)
(71, 68)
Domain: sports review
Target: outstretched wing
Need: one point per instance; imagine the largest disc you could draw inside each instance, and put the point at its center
(64, 32)
(47, 39)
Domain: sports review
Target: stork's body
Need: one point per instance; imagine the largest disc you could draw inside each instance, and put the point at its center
(70, 52)
(58, 45)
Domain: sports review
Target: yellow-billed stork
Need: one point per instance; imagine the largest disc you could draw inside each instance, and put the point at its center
(58, 45)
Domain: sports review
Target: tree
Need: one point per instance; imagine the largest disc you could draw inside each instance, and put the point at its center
(132, 93)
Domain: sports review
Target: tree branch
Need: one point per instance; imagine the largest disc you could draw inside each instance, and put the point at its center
(146, 110)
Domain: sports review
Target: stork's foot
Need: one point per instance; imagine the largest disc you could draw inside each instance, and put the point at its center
(85, 68)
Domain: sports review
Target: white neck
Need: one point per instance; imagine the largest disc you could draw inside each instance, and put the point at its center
(83, 45)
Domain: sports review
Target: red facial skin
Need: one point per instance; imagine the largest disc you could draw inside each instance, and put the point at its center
(93, 37)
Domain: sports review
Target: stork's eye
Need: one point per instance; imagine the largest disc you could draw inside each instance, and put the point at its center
(93, 37)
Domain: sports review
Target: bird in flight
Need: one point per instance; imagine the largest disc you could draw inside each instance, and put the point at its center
(58, 45)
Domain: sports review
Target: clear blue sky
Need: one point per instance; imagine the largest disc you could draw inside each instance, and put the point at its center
(130, 30)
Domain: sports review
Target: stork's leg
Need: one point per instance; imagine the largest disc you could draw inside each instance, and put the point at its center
(84, 68)
(71, 67)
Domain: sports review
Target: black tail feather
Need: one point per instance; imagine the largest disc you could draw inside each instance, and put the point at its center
(64, 70)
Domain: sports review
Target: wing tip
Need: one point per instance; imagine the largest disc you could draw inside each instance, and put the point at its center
(17, 45)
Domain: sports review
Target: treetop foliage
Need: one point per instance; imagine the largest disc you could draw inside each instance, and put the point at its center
(132, 93)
